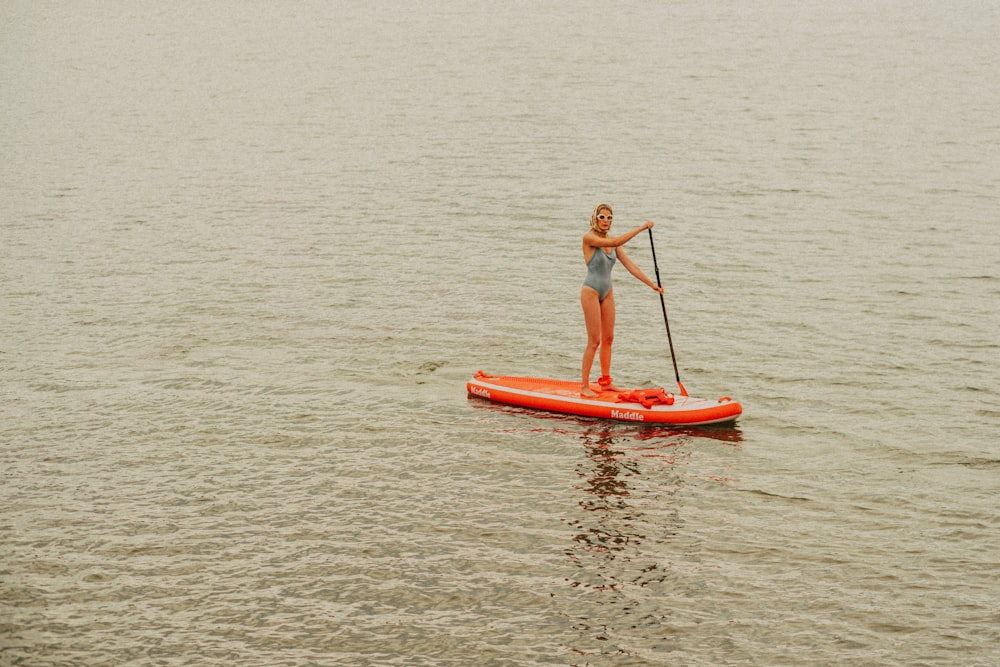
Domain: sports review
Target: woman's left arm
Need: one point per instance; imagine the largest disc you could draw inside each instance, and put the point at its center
(635, 270)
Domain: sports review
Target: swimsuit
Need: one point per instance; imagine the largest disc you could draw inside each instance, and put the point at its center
(599, 271)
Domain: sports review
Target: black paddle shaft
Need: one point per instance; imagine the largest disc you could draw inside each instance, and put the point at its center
(663, 305)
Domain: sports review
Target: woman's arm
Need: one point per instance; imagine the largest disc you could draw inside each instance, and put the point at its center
(634, 269)
(592, 239)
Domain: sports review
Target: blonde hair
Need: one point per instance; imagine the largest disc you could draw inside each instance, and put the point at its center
(593, 216)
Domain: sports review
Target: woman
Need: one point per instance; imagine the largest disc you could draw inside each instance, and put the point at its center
(597, 296)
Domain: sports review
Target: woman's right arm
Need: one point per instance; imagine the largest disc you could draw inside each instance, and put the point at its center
(592, 239)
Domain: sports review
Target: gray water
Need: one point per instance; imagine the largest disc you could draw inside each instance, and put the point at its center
(251, 252)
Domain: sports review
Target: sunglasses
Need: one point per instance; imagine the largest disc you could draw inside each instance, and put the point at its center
(605, 217)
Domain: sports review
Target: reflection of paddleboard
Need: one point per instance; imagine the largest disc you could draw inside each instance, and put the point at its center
(636, 405)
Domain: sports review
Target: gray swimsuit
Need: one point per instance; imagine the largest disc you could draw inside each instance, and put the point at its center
(599, 271)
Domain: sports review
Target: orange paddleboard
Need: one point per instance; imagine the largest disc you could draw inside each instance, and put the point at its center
(653, 405)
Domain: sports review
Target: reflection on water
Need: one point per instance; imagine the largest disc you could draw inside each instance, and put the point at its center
(614, 527)
(631, 500)
(721, 432)
(612, 532)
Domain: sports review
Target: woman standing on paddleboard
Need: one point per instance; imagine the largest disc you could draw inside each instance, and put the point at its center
(597, 296)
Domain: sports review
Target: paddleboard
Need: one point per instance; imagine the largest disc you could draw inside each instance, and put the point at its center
(652, 405)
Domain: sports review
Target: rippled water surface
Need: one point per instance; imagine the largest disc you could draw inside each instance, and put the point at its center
(251, 254)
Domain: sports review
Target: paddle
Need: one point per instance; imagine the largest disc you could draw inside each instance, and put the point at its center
(663, 305)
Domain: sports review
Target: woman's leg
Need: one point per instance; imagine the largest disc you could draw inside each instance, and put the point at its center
(591, 304)
(607, 335)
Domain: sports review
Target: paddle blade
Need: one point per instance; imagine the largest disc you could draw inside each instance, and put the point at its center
(684, 392)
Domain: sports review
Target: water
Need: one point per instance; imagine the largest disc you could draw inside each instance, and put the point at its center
(251, 255)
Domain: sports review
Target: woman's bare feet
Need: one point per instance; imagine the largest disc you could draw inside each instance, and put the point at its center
(587, 392)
